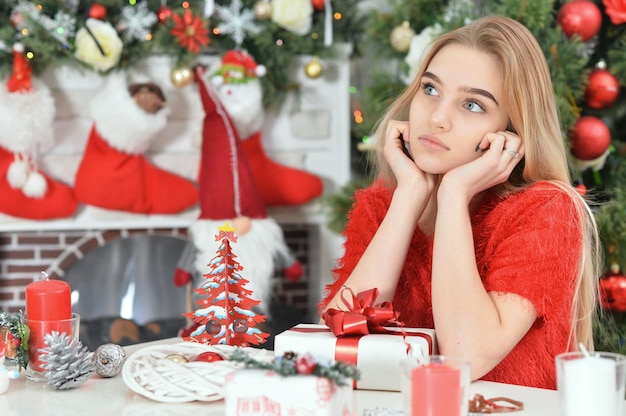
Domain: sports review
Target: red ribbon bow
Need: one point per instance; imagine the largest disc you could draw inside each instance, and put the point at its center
(362, 316)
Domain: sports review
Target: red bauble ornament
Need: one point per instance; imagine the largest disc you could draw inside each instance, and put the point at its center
(209, 357)
(613, 292)
(97, 11)
(580, 17)
(581, 189)
(164, 13)
(602, 89)
(590, 138)
(318, 4)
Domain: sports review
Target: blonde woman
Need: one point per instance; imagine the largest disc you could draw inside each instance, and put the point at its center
(473, 227)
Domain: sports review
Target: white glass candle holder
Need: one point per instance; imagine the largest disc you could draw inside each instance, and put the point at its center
(591, 383)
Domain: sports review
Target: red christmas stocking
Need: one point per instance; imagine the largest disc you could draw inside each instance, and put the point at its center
(58, 201)
(278, 184)
(111, 179)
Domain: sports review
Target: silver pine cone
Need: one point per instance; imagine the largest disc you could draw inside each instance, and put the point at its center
(66, 362)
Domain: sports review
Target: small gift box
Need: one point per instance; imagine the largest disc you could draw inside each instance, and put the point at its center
(251, 392)
(366, 335)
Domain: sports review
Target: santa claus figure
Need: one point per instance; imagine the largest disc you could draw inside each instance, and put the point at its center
(26, 121)
(228, 192)
(114, 173)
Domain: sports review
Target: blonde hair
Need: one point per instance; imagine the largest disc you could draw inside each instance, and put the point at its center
(530, 101)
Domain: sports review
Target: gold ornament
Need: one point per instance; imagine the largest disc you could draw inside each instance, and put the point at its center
(181, 77)
(401, 37)
(314, 68)
(262, 9)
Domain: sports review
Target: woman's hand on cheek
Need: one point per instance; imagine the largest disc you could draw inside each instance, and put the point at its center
(398, 156)
(500, 153)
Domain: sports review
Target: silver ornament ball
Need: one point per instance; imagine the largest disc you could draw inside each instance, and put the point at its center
(109, 359)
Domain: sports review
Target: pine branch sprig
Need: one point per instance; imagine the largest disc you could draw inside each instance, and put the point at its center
(290, 364)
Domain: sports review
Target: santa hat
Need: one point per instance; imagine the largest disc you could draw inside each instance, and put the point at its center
(26, 117)
(20, 80)
(238, 67)
(227, 187)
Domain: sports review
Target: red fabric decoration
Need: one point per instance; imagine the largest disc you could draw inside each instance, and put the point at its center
(20, 80)
(279, 185)
(228, 188)
(58, 201)
(111, 179)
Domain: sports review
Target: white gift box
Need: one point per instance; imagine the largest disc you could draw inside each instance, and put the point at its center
(252, 392)
(377, 356)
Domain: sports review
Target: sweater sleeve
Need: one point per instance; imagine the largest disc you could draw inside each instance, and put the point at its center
(534, 250)
(368, 210)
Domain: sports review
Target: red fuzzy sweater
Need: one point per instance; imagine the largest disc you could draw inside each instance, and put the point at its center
(527, 243)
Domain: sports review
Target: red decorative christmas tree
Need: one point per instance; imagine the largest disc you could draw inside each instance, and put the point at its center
(225, 314)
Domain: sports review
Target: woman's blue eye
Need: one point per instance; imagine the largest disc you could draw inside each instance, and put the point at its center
(429, 89)
(474, 107)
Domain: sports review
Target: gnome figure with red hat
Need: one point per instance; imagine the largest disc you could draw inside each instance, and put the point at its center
(228, 192)
(114, 174)
(239, 89)
(26, 119)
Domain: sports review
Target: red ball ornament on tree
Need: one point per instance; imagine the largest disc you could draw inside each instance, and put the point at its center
(97, 11)
(580, 17)
(590, 138)
(318, 4)
(164, 13)
(613, 291)
(602, 89)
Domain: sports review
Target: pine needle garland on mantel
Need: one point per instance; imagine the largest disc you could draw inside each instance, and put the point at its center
(54, 32)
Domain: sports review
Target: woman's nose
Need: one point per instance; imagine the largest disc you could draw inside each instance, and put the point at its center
(440, 117)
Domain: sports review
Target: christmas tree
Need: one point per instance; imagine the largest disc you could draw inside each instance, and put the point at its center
(225, 314)
(584, 42)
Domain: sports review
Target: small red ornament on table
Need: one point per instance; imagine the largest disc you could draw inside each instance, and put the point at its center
(97, 11)
(209, 357)
(590, 138)
(602, 89)
(580, 17)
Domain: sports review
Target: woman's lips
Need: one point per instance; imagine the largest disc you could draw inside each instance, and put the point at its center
(432, 142)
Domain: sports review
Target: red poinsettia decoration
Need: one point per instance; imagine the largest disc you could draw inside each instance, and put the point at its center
(190, 31)
(616, 10)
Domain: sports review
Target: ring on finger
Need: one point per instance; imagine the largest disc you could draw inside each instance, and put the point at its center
(512, 152)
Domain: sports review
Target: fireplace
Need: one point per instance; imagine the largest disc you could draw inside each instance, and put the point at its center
(122, 279)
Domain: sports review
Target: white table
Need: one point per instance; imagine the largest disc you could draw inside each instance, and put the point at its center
(110, 397)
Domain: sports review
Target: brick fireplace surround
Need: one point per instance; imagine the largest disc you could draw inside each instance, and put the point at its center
(25, 254)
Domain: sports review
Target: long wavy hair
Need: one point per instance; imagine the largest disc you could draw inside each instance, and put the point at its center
(530, 101)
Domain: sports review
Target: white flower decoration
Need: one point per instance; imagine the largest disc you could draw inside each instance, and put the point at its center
(87, 50)
(294, 15)
(418, 48)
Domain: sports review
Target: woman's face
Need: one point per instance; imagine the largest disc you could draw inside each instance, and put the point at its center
(458, 102)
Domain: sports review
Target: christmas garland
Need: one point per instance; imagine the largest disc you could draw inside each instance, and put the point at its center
(101, 36)
(290, 364)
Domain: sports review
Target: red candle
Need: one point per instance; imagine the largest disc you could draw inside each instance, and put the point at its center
(48, 308)
(436, 390)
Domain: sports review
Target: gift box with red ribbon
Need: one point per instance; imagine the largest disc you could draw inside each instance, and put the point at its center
(365, 334)
(252, 392)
